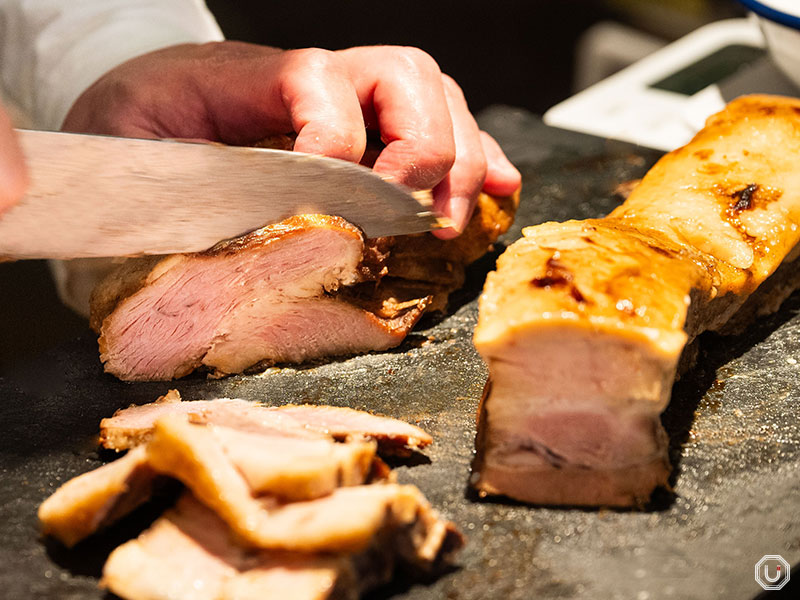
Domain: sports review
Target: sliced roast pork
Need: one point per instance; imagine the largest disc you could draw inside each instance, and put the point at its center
(307, 288)
(584, 322)
(97, 498)
(190, 553)
(267, 296)
(227, 451)
(265, 512)
(133, 425)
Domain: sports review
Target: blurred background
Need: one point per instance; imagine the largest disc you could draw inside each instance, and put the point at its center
(527, 53)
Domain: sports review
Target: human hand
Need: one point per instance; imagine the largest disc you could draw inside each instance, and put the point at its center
(239, 93)
(13, 175)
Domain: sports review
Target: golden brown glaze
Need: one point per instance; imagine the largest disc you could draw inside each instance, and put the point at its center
(590, 317)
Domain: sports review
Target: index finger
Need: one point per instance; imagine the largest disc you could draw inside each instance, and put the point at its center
(401, 91)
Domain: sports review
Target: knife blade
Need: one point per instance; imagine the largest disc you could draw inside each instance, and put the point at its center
(94, 196)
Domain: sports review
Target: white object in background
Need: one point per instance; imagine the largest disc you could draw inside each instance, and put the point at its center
(608, 47)
(628, 107)
(780, 21)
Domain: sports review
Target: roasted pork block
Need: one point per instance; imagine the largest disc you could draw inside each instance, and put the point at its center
(583, 323)
(307, 288)
(267, 296)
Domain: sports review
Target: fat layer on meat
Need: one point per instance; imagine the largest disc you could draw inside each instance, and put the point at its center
(584, 322)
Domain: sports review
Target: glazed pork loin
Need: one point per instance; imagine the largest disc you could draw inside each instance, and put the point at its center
(583, 323)
(307, 288)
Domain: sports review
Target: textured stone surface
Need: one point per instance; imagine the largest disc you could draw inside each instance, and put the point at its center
(733, 423)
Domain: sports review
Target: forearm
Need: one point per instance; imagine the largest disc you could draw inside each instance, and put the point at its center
(53, 50)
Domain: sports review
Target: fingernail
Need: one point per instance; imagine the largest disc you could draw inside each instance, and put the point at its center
(458, 211)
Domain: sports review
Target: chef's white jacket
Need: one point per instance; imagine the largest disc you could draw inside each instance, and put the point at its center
(52, 50)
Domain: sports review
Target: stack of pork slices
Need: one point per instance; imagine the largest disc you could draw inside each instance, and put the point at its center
(277, 502)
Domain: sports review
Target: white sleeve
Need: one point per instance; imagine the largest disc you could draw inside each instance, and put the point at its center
(52, 50)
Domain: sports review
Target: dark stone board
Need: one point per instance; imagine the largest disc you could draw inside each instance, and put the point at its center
(733, 423)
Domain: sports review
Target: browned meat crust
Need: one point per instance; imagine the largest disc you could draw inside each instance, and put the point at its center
(584, 322)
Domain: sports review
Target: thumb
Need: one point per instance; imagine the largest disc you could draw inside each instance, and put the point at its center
(13, 174)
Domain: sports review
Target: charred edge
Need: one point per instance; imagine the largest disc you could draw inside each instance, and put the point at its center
(737, 201)
(744, 198)
(576, 295)
(294, 225)
(703, 154)
(243, 242)
(558, 275)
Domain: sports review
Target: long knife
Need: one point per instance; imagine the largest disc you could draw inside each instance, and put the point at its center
(93, 196)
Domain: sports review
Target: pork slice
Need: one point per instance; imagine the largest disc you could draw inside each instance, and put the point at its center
(268, 296)
(97, 498)
(584, 322)
(190, 553)
(295, 469)
(392, 435)
(336, 522)
(133, 425)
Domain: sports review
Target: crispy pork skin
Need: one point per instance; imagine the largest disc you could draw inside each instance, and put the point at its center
(132, 426)
(583, 323)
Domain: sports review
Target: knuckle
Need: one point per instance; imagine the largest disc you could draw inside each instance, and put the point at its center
(451, 87)
(437, 158)
(414, 59)
(316, 59)
(477, 164)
